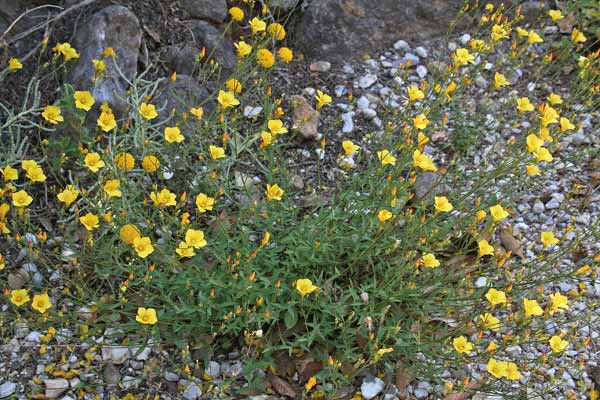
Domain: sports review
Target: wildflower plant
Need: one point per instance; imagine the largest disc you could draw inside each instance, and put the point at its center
(187, 230)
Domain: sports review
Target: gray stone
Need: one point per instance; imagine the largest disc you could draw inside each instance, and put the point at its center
(55, 387)
(171, 376)
(217, 47)
(553, 204)
(116, 27)
(33, 337)
(348, 122)
(421, 71)
(214, 368)
(115, 354)
(320, 66)
(111, 374)
(340, 90)
(371, 386)
(401, 45)
(7, 388)
(251, 112)
(410, 58)
(182, 60)
(421, 52)
(539, 207)
(421, 393)
(192, 392)
(284, 5)
(464, 39)
(215, 10)
(178, 96)
(427, 185)
(367, 81)
(340, 29)
(130, 382)
(481, 82)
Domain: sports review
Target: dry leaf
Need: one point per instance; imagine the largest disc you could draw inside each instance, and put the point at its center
(310, 368)
(18, 279)
(402, 378)
(285, 365)
(510, 243)
(566, 24)
(152, 33)
(281, 386)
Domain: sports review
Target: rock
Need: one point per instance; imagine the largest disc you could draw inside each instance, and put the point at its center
(213, 370)
(130, 382)
(421, 71)
(251, 112)
(7, 388)
(553, 204)
(284, 5)
(192, 392)
(115, 354)
(18, 279)
(410, 58)
(297, 182)
(340, 90)
(180, 95)
(116, 27)
(348, 122)
(171, 376)
(481, 82)
(349, 28)
(363, 102)
(232, 370)
(33, 337)
(464, 39)
(401, 45)
(427, 185)
(481, 282)
(371, 387)
(111, 374)
(367, 81)
(21, 329)
(55, 387)
(305, 119)
(320, 66)
(421, 393)
(218, 47)
(538, 207)
(182, 60)
(421, 52)
(141, 354)
(215, 10)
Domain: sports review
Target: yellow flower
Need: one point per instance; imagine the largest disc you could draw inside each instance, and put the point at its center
(267, 139)
(36, 174)
(545, 135)
(195, 238)
(534, 38)
(414, 93)
(498, 212)
(19, 297)
(277, 31)
(106, 121)
(543, 154)
(555, 15)
(423, 161)
(4, 209)
(128, 233)
(84, 100)
(500, 80)
(125, 161)
(111, 188)
(41, 303)
(197, 112)
(548, 238)
(522, 32)
(204, 203)
(559, 302)
(462, 345)
(9, 173)
(554, 99)
(90, 221)
(420, 121)
(66, 50)
(577, 36)
(322, 99)
(14, 64)
(148, 111)
(594, 394)
(497, 368)
(485, 249)
(488, 321)
(164, 198)
(534, 143)
(93, 161)
(150, 163)
(312, 381)
(265, 58)
(185, 250)
(442, 204)
(99, 66)
(532, 308)
(386, 158)
(21, 198)
(349, 147)
(173, 135)
(384, 215)
(274, 192)
(463, 57)
(68, 195)
(257, 25)
(276, 127)
(422, 139)
(216, 152)
(143, 246)
(305, 286)
(236, 13)
(478, 45)
(285, 54)
(146, 316)
(242, 49)
(495, 296)
(233, 85)
(549, 116)
(227, 99)
(109, 52)
(52, 115)
(429, 260)
(499, 32)
(558, 344)
(524, 105)
(512, 371)
(566, 125)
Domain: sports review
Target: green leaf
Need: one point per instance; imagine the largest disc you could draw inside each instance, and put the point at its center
(290, 318)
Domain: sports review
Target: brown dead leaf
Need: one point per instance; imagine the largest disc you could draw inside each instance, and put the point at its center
(310, 368)
(285, 365)
(152, 33)
(511, 243)
(18, 279)
(402, 377)
(281, 386)
(464, 395)
(566, 24)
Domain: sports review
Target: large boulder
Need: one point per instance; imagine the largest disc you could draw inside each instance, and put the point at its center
(215, 10)
(116, 27)
(217, 46)
(337, 29)
(176, 97)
